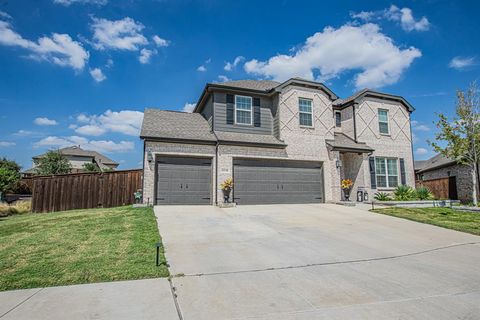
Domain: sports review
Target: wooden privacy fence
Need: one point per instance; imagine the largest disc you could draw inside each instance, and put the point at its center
(442, 188)
(85, 190)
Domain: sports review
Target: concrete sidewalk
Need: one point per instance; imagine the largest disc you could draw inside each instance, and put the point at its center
(138, 299)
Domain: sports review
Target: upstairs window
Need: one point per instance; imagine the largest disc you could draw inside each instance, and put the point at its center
(338, 119)
(383, 121)
(305, 112)
(243, 110)
(386, 170)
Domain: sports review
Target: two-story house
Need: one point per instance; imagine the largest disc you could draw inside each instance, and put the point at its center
(290, 142)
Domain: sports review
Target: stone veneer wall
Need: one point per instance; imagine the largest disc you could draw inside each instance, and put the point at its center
(463, 179)
(180, 149)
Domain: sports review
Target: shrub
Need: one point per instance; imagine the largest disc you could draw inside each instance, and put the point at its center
(404, 193)
(18, 207)
(422, 193)
(382, 196)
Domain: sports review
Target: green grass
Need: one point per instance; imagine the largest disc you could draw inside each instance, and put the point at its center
(81, 246)
(443, 217)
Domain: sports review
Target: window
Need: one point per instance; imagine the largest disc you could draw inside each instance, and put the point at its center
(386, 170)
(243, 110)
(383, 121)
(338, 119)
(305, 112)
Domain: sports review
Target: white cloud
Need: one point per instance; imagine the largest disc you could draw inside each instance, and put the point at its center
(421, 151)
(229, 66)
(109, 63)
(69, 2)
(419, 127)
(6, 144)
(59, 49)
(103, 146)
(24, 133)
(5, 15)
(97, 74)
(45, 122)
(406, 19)
(127, 122)
(188, 107)
(364, 49)
(145, 55)
(461, 63)
(203, 67)
(223, 78)
(124, 34)
(160, 42)
(403, 16)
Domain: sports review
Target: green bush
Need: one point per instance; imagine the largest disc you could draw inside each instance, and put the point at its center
(422, 193)
(382, 196)
(404, 193)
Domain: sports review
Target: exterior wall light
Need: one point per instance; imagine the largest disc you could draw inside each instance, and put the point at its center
(149, 156)
(339, 163)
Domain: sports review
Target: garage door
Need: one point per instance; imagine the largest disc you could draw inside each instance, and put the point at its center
(182, 180)
(276, 181)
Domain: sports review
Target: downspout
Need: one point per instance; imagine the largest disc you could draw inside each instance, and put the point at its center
(216, 150)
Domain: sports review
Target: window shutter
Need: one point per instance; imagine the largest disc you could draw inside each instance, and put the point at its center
(373, 178)
(402, 171)
(230, 108)
(256, 112)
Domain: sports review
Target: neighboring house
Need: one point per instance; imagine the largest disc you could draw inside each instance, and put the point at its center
(439, 166)
(79, 157)
(290, 142)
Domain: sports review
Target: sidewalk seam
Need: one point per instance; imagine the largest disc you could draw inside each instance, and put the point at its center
(21, 302)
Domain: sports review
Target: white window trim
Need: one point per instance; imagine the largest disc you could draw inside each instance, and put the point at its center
(386, 172)
(300, 112)
(251, 111)
(388, 121)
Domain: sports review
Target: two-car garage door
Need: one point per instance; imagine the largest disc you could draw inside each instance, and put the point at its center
(277, 181)
(187, 180)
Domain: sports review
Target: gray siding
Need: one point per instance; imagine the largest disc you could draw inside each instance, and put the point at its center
(220, 116)
(207, 111)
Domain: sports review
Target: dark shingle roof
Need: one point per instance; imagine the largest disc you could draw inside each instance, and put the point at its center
(167, 124)
(343, 142)
(364, 92)
(437, 161)
(225, 136)
(261, 85)
(419, 164)
(78, 151)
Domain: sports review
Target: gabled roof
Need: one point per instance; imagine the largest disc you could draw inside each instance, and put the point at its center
(308, 83)
(436, 162)
(342, 142)
(79, 152)
(261, 85)
(175, 125)
(370, 93)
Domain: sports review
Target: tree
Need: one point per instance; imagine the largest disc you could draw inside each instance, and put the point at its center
(461, 135)
(52, 162)
(9, 174)
(91, 167)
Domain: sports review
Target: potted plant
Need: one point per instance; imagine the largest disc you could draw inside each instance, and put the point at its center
(226, 187)
(346, 187)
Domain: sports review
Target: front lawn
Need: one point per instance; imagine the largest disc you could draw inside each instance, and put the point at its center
(81, 246)
(443, 217)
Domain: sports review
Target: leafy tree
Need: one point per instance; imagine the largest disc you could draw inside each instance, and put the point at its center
(461, 135)
(9, 174)
(52, 162)
(91, 167)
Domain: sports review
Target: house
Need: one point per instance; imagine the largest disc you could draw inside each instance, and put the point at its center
(289, 142)
(78, 157)
(460, 186)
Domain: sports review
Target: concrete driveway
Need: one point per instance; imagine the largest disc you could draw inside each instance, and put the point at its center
(317, 262)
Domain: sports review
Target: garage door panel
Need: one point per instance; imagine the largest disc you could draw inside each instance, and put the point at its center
(270, 182)
(183, 181)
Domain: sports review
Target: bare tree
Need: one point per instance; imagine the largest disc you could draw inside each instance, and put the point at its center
(461, 135)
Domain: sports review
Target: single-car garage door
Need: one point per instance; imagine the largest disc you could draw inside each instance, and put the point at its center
(183, 180)
(277, 181)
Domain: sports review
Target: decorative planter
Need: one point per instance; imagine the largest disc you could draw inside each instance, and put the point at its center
(346, 194)
(226, 195)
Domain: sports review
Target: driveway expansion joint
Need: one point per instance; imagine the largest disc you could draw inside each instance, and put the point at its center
(333, 263)
(21, 302)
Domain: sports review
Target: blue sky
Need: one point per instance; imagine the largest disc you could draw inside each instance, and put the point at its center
(82, 71)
